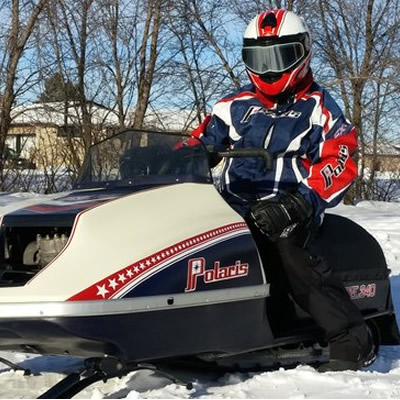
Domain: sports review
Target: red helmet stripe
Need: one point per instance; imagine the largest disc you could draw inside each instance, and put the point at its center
(280, 17)
(260, 19)
(271, 30)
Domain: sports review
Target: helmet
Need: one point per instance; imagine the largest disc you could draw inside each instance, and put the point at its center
(276, 51)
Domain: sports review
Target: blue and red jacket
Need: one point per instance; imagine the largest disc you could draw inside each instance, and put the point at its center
(311, 141)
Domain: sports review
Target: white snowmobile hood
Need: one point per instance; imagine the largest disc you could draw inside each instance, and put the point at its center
(117, 243)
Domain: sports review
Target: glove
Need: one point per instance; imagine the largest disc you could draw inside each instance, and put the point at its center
(278, 219)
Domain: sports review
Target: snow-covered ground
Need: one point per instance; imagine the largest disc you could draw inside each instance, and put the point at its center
(381, 380)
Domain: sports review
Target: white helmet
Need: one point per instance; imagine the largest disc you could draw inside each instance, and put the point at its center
(276, 51)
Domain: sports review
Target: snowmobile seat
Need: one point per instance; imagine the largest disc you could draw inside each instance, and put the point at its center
(353, 253)
(355, 258)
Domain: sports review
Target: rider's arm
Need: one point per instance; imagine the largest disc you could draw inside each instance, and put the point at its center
(212, 131)
(331, 169)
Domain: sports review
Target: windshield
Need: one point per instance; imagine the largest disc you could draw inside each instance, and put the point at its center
(138, 158)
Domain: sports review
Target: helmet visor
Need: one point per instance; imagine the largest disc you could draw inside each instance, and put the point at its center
(276, 58)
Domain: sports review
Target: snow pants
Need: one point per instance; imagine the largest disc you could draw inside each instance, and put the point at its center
(317, 291)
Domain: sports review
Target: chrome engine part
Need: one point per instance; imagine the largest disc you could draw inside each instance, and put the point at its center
(48, 247)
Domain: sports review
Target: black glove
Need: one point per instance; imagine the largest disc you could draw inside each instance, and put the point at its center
(277, 219)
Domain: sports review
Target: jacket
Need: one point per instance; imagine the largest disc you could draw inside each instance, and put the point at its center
(309, 138)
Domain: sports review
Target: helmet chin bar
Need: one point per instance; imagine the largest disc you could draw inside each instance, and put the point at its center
(280, 85)
(270, 78)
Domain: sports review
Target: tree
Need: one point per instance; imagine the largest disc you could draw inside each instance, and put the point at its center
(73, 30)
(147, 59)
(245, 10)
(22, 21)
(206, 63)
(358, 43)
(57, 89)
(117, 56)
(191, 74)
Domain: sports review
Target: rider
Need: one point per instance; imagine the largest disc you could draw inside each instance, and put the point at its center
(284, 111)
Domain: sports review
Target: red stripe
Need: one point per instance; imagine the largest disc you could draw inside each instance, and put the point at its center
(306, 164)
(199, 131)
(195, 134)
(260, 19)
(328, 116)
(280, 18)
(48, 208)
(312, 94)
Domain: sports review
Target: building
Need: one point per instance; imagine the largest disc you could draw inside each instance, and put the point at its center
(386, 157)
(49, 133)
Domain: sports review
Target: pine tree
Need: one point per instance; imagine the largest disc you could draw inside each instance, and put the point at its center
(57, 89)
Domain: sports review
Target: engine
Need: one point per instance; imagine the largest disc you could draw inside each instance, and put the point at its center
(26, 250)
(44, 249)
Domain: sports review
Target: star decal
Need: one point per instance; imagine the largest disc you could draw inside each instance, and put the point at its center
(112, 283)
(121, 278)
(129, 273)
(102, 291)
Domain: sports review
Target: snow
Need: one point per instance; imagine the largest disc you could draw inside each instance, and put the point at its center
(381, 380)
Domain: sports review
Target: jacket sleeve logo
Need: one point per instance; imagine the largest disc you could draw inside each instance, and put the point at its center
(197, 269)
(328, 172)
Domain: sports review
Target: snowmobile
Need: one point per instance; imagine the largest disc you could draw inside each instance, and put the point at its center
(144, 263)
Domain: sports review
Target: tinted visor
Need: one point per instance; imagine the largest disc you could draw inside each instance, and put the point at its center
(276, 58)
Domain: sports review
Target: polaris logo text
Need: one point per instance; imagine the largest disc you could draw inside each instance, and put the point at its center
(273, 114)
(197, 269)
(329, 172)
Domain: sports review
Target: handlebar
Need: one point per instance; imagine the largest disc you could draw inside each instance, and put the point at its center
(250, 152)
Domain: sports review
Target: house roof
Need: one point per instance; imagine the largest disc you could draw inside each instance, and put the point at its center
(170, 120)
(384, 148)
(61, 114)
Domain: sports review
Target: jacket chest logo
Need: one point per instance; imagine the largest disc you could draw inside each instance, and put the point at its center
(270, 113)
